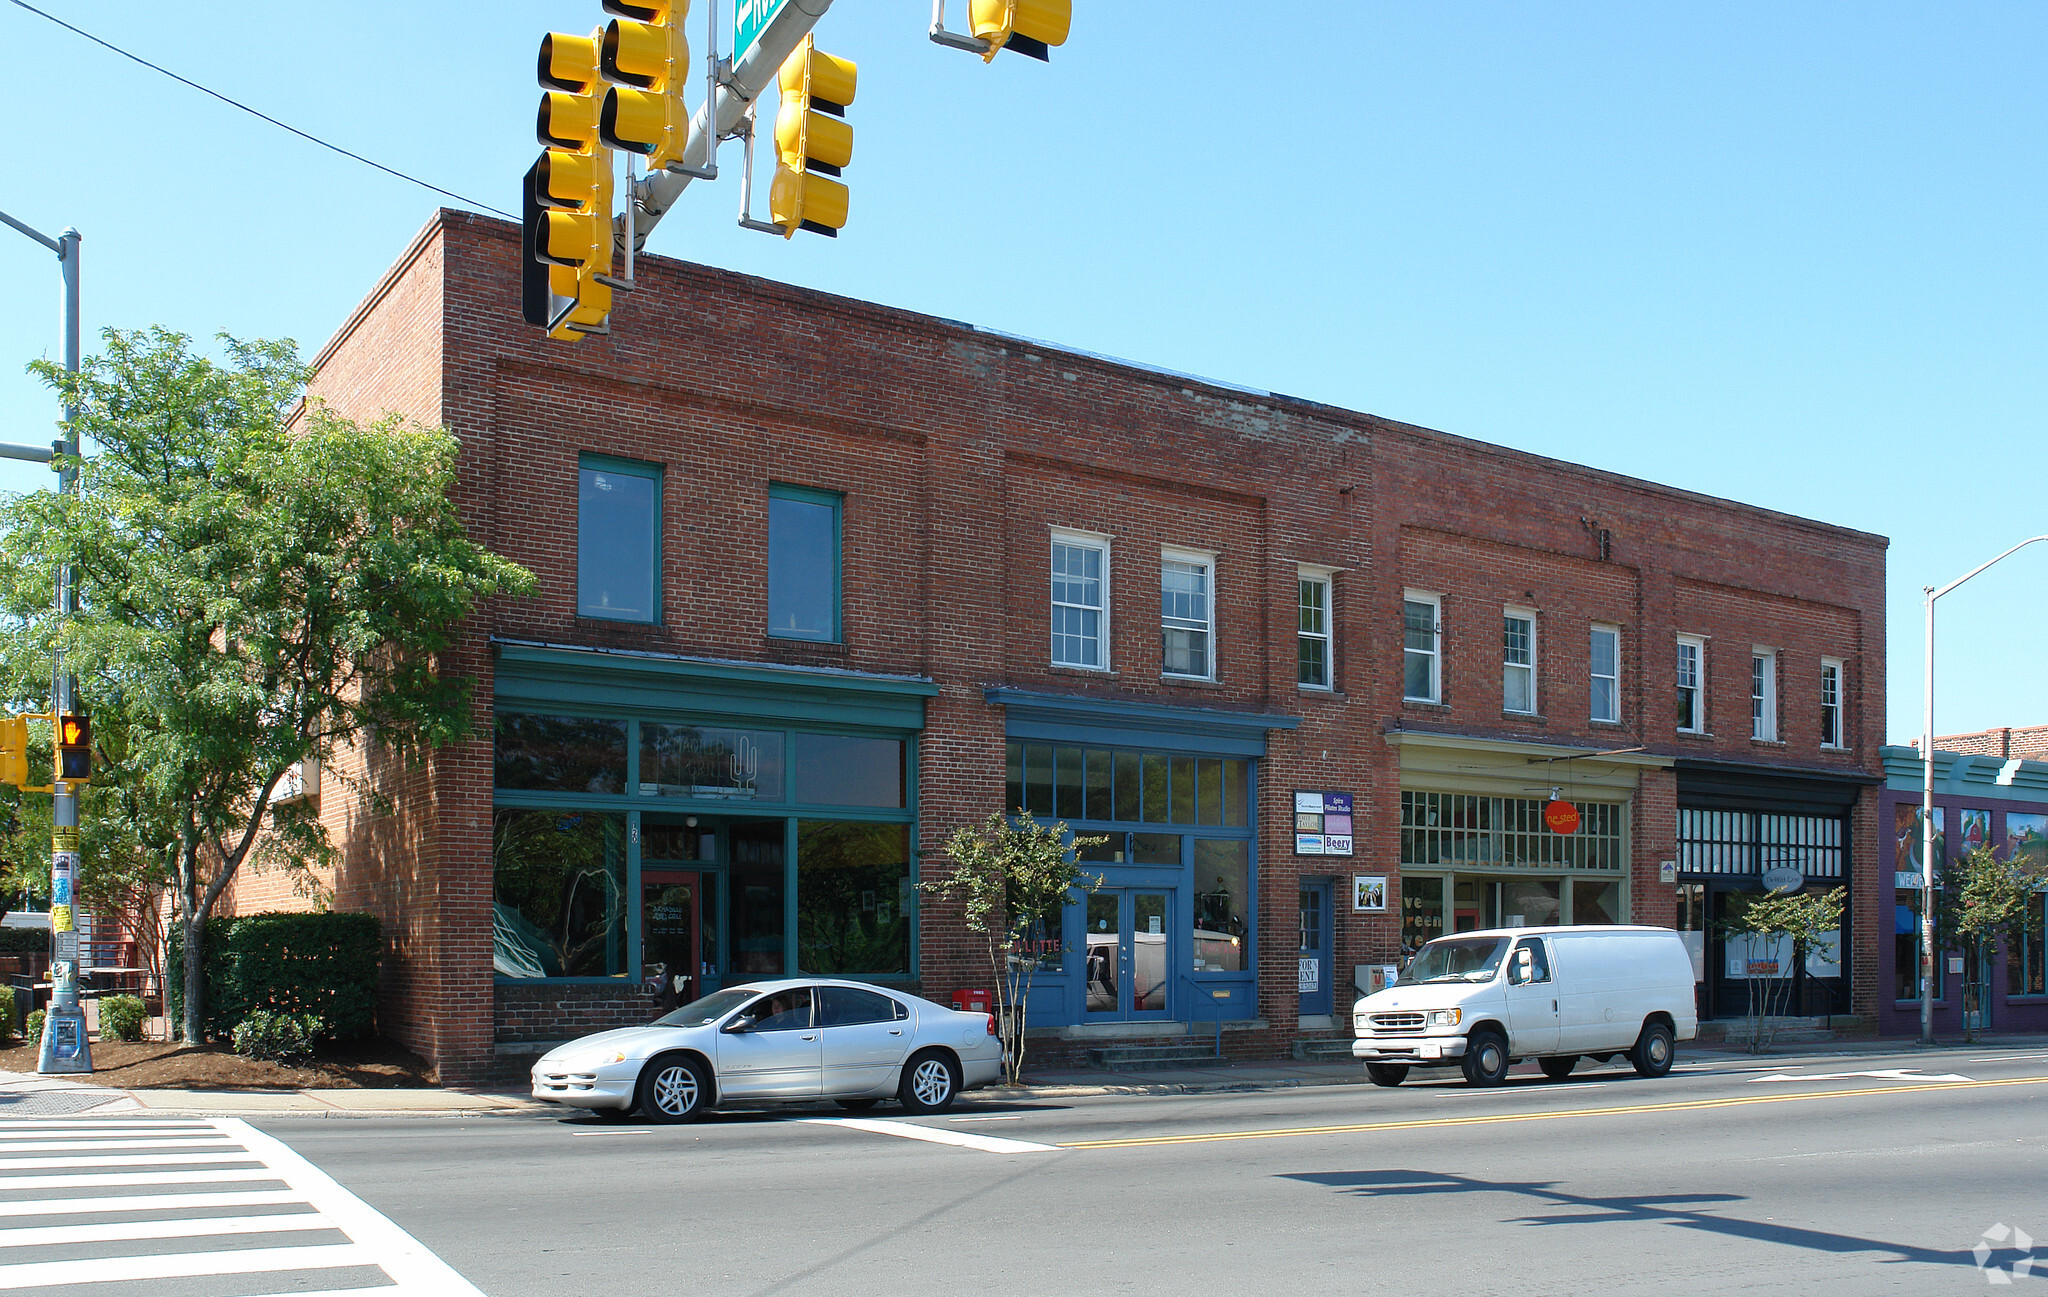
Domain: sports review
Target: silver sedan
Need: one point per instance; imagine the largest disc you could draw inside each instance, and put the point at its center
(792, 1040)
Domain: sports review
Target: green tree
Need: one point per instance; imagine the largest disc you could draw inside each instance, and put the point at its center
(259, 581)
(1011, 878)
(1986, 900)
(1758, 928)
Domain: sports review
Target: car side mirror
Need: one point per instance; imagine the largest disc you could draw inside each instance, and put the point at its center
(745, 1022)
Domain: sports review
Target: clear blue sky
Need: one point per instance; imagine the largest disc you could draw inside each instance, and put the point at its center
(1792, 255)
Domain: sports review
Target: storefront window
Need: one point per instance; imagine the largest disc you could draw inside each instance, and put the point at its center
(1906, 950)
(1422, 912)
(852, 897)
(2023, 952)
(560, 754)
(1462, 829)
(1076, 783)
(1222, 909)
(1595, 901)
(709, 761)
(755, 904)
(1155, 848)
(558, 895)
(840, 770)
(1528, 902)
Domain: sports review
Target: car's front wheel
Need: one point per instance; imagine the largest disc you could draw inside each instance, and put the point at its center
(1486, 1058)
(1387, 1073)
(931, 1081)
(673, 1088)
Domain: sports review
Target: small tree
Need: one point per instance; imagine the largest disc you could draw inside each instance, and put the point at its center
(1761, 926)
(1012, 877)
(1988, 900)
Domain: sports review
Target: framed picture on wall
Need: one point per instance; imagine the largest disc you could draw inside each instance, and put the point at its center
(1369, 893)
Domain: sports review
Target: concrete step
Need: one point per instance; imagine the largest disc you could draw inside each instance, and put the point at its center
(1323, 1050)
(1147, 1058)
(1783, 1031)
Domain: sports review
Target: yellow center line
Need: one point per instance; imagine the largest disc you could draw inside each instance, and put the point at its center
(1682, 1105)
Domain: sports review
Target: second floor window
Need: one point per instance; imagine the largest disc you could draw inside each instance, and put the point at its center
(803, 563)
(1763, 696)
(1420, 677)
(1186, 615)
(1313, 640)
(1606, 674)
(1831, 704)
(1080, 601)
(1518, 661)
(618, 540)
(1692, 679)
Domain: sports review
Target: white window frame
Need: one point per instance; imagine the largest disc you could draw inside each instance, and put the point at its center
(1206, 560)
(1698, 645)
(1763, 695)
(1436, 645)
(1592, 676)
(1528, 615)
(1325, 577)
(1078, 540)
(1833, 707)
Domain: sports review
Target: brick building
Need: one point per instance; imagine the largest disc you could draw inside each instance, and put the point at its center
(2028, 742)
(821, 581)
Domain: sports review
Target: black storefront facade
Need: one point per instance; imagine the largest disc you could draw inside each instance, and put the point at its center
(1737, 822)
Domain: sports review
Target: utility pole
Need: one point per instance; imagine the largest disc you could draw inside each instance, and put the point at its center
(64, 1047)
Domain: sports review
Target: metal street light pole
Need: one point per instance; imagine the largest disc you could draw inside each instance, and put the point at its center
(1927, 951)
(64, 1045)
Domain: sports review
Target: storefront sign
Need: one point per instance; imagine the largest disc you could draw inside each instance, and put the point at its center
(1667, 871)
(1322, 824)
(1782, 880)
(1369, 893)
(1562, 817)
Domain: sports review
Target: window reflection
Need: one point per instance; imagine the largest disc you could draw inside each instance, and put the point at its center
(558, 894)
(560, 754)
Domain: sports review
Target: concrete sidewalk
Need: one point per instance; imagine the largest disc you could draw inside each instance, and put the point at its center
(30, 1095)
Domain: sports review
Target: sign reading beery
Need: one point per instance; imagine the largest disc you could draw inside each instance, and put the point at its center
(1322, 824)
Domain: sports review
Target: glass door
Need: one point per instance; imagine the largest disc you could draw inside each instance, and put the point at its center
(1314, 969)
(1129, 959)
(671, 935)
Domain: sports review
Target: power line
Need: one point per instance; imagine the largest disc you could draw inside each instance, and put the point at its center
(265, 116)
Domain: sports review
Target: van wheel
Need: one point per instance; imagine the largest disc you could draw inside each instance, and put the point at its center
(1557, 1069)
(1653, 1051)
(1387, 1073)
(1486, 1058)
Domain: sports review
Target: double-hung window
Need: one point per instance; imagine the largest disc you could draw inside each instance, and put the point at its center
(1518, 660)
(803, 563)
(1187, 614)
(618, 539)
(1314, 643)
(1421, 647)
(1763, 695)
(1692, 684)
(1831, 703)
(1080, 600)
(1606, 673)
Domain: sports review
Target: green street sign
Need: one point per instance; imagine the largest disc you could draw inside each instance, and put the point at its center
(749, 19)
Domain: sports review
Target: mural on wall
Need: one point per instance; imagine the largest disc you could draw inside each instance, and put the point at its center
(1975, 830)
(1906, 836)
(2026, 838)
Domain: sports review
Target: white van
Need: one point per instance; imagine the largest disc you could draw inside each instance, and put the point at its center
(1484, 1000)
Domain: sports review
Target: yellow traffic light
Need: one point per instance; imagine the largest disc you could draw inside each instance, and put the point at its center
(568, 209)
(810, 144)
(646, 57)
(74, 748)
(1027, 26)
(14, 750)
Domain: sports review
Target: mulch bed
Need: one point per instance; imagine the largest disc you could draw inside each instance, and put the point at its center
(358, 1065)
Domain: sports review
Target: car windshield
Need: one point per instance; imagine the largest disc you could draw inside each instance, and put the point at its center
(1457, 959)
(704, 1012)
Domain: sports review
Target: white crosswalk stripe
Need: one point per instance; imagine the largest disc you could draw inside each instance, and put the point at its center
(61, 1202)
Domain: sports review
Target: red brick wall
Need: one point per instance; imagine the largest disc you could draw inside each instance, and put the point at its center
(2029, 742)
(957, 451)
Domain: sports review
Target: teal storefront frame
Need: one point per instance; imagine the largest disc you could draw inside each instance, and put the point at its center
(1068, 995)
(643, 689)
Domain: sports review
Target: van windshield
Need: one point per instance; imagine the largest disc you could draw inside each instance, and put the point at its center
(1457, 959)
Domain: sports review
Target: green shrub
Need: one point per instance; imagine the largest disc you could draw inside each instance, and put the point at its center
(279, 1037)
(6, 1013)
(35, 1027)
(24, 941)
(323, 964)
(121, 1017)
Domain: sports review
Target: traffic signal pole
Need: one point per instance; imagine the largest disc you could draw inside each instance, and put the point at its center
(64, 1046)
(720, 118)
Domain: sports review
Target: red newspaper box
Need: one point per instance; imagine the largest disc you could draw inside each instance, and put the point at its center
(973, 1001)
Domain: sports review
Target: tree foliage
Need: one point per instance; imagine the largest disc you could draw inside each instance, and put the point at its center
(1760, 925)
(259, 581)
(1011, 878)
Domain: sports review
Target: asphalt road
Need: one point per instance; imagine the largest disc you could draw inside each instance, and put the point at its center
(1784, 1175)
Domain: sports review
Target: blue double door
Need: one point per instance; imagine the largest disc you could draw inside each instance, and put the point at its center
(1130, 956)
